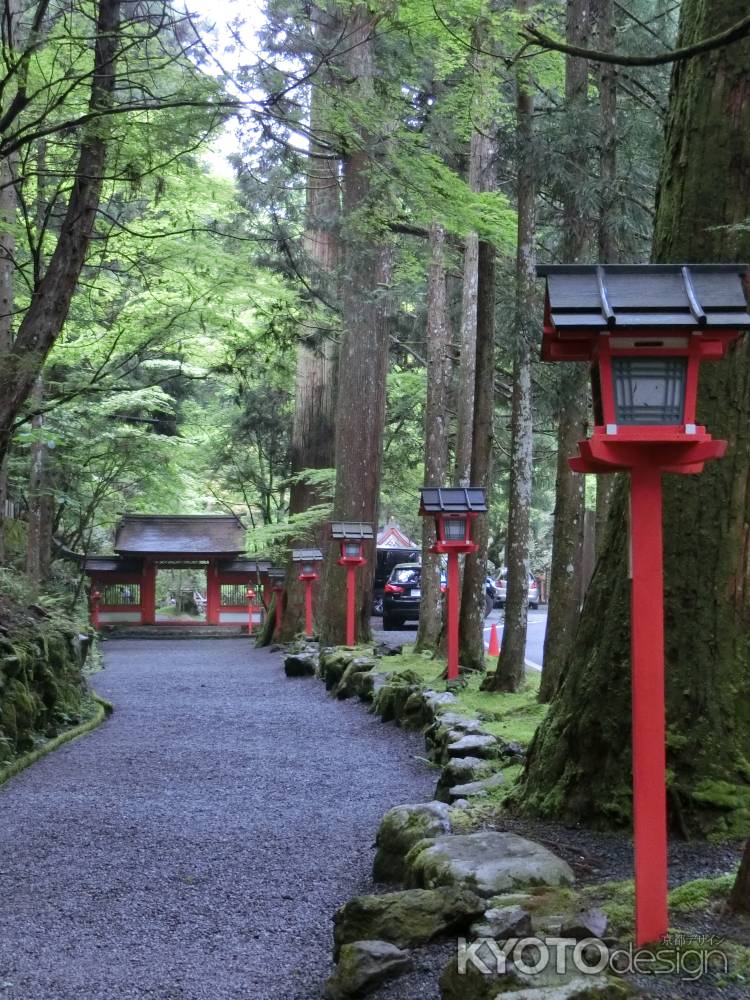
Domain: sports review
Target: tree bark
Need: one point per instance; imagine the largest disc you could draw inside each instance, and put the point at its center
(739, 899)
(313, 432)
(471, 623)
(363, 353)
(579, 762)
(608, 201)
(436, 435)
(50, 302)
(510, 671)
(480, 158)
(570, 487)
(8, 206)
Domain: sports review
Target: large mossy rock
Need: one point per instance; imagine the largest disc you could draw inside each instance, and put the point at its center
(400, 829)
(408, 918)
(347, 686)
(365, 965)
(478, 789)
(300, 664)
(487, 862)
(462, 771)
(391, 699)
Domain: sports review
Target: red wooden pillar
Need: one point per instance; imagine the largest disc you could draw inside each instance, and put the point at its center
(452, 624)
(649, 760)
(308, 608)
(148, 593)
(213, 593)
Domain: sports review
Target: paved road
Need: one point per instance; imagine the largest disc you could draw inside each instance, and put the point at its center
(196, 845)
(534, 635)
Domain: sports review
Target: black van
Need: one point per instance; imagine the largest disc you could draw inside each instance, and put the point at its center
(385, 561)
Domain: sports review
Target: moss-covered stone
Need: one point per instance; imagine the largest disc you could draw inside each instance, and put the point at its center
(400, 829)
(408, 918)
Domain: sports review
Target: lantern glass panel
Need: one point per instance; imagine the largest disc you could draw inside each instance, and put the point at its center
(455, 529)
(649, 391)
(352, 549)
(308, 568)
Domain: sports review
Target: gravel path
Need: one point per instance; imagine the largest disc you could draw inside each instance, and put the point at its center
(196, 845)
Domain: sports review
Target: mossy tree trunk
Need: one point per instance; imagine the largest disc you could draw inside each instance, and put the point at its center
(363, 353)
(314, 393)
(471, 622)
(579, 764)
(511, 665)
(572, 399)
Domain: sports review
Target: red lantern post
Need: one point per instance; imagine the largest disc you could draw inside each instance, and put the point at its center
(310, 559)
(645, 332)
(453, 510)
(352, 535)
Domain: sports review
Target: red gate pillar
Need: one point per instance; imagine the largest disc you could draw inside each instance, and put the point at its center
(649, 760)
(213, 593)
(452, 624)
(148, 593)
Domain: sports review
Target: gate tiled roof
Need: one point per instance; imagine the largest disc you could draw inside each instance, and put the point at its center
(199, 534)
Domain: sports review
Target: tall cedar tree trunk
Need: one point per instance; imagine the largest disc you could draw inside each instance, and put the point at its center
(313, 432)
(436, 434)
(608, 205)
(511, 663)
(51, 299)
(572, 408)
(471, 623)
(39, 538)
(8, 205)
(579, 763)
(363, 353)
(480, 155)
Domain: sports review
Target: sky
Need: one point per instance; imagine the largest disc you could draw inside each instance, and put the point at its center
(230, 36)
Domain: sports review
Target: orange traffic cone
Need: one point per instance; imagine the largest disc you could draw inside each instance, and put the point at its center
(494, 649)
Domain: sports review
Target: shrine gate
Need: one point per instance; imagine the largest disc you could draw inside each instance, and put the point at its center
(144, 543)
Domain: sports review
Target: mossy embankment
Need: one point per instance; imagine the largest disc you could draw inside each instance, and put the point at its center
(44, 697)
(513, 717)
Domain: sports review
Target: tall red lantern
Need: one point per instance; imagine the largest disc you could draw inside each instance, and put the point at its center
(309, 560)
(454, 510)
(645, 330)
(352, 536)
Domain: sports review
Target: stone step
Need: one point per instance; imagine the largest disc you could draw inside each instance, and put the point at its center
(173, 631)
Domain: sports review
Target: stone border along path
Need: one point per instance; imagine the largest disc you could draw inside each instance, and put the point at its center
(196, 846)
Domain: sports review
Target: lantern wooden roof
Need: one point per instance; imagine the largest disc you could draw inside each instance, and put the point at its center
(351, 529)
(306, 555)
(452, 500)
(276, 573)
(194, 534)
(584, 300)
